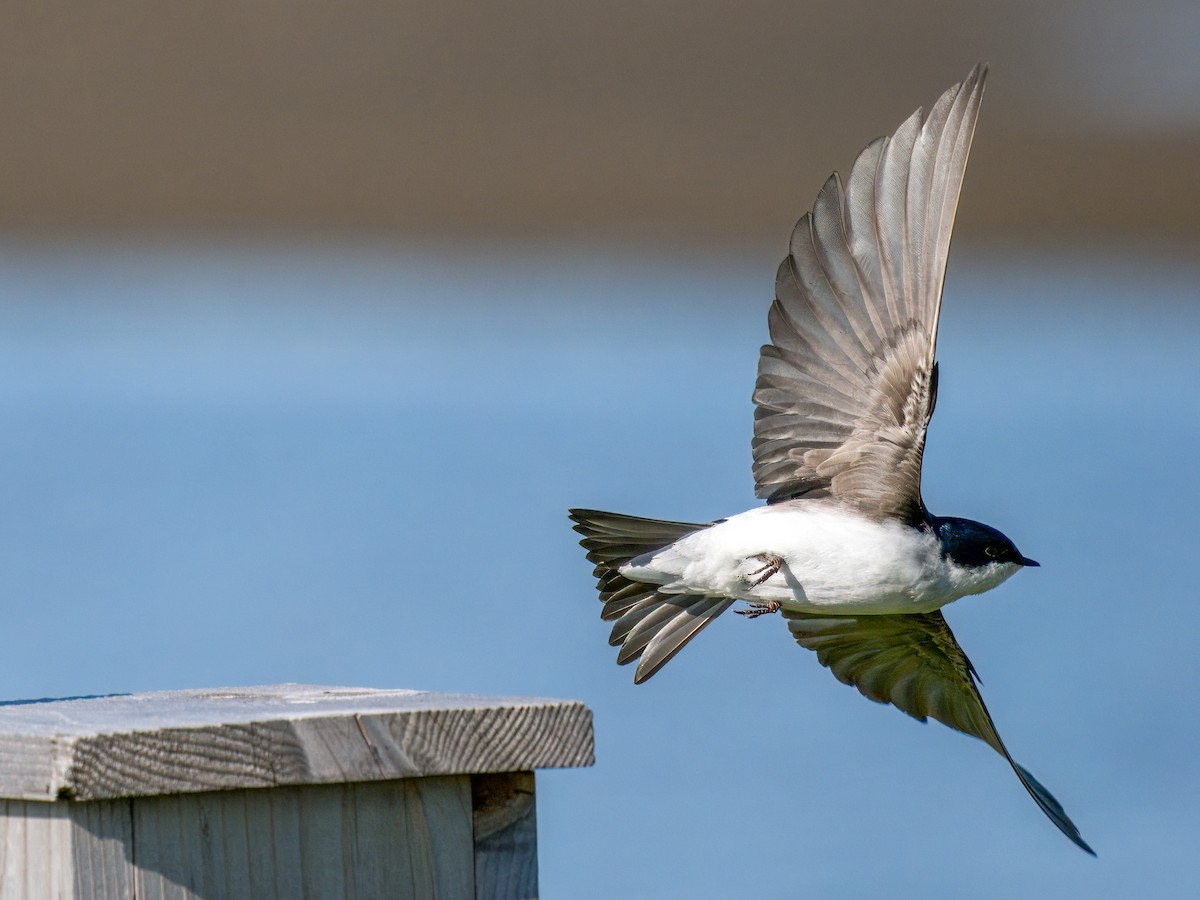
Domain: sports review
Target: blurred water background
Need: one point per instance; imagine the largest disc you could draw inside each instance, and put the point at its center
(316, 318)
(263, 463)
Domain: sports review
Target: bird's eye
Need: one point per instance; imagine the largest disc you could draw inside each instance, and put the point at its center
(995, 551)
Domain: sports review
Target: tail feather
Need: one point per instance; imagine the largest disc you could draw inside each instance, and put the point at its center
(612, 539)
(658, 618)
(635, 614)
(682, 628)
(623, 599)
(650, 626)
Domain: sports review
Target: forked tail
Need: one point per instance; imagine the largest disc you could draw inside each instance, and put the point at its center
(649, 625)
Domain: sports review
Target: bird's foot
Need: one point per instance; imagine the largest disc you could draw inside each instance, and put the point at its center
(759, 608)
(771, 565)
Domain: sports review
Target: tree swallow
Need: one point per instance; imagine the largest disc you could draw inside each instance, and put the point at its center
(844, 547)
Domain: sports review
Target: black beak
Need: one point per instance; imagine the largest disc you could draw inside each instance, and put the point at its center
(1029, 562)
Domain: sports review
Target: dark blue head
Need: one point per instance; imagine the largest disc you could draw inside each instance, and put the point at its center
(973, 544)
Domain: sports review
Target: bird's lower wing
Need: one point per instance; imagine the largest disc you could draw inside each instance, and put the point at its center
(914, 663)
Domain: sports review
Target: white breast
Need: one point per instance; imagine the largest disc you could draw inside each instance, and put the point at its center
(834, 561)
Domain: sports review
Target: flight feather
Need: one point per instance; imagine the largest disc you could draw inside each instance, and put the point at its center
(847, 385)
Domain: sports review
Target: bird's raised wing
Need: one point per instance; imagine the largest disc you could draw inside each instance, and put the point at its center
(914, 663)
(847, 385)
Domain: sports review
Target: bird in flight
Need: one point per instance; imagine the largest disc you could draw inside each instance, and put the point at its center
(844, 548)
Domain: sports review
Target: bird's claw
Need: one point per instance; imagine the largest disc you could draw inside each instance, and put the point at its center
(759, 608)
(771, 565)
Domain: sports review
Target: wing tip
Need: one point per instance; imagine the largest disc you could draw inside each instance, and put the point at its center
(1051, 807)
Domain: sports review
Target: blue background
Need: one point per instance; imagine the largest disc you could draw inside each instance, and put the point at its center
(249, 463)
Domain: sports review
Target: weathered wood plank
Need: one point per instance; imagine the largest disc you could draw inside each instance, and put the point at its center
(320, 852)
(192, 741)
(26, 768)
(280, 792)
(35, 850)
(101, 836)
(440, 838)
(410, 838)
(505, 826)
(251, 829)
(379, 854)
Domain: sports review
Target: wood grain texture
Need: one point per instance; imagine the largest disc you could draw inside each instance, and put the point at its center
(101, 837)
(60, 850)
(192, 741)
(410, 838)
(505, 820)
(403, 839)
(34, 850)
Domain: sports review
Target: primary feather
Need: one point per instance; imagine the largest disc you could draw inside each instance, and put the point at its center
(847, 385)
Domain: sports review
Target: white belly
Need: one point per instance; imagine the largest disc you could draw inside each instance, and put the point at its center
(834, 561)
